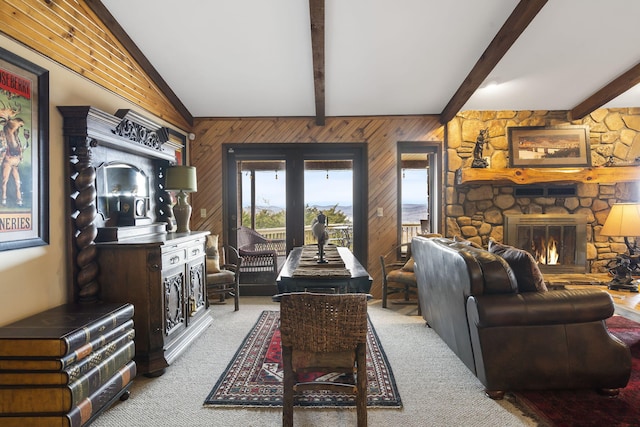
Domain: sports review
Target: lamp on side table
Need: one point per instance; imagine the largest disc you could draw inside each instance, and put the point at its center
(182, 179)
(624, 221)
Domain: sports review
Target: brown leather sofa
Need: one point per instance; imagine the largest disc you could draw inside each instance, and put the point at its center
(515, 340)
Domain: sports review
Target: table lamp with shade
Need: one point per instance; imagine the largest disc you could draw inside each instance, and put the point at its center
(624, 221)
(182, 179)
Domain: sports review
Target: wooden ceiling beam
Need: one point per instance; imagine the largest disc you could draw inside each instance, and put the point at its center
(316, 11)
(519, 19)
(612, 90)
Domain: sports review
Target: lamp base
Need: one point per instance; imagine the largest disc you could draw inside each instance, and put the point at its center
(182, 213)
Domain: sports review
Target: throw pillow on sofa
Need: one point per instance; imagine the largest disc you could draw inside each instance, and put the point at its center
(524, 266)
(408, 266)
(213, 255)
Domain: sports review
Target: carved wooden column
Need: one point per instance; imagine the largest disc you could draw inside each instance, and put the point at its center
(163, 200)
(83, 215)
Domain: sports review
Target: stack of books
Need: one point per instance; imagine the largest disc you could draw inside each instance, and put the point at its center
(64, 366)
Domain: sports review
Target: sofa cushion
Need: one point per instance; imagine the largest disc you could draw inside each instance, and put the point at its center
(221, 277)
(408, 266)
(213, 255)
(524, 266)
(402, 276)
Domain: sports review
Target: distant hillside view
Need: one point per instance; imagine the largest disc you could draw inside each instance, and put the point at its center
(347, 210)
(411, 213)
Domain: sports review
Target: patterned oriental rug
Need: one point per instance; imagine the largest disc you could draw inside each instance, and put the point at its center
(573, 408)
(253, 378)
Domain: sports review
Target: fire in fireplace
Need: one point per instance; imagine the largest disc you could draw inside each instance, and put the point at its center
(557, 241)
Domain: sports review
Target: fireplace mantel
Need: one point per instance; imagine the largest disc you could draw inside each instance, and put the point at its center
(601, 175)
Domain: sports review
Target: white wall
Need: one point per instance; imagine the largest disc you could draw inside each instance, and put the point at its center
(35, 279)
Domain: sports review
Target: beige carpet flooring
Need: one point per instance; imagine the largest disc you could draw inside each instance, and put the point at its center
(435, 387)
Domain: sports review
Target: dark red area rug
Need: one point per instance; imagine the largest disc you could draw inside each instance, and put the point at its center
(254, 375)
(573, 408)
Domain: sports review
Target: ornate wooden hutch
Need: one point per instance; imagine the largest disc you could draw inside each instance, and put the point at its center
(118, 216)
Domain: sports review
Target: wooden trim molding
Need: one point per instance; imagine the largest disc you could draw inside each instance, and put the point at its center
(73, 35)
(105, 16)
(316, 11)
(600, 175)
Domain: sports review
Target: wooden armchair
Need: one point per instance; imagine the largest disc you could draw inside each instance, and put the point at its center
(324, 333)
(398, 275)
(227, 280)
(259, 254)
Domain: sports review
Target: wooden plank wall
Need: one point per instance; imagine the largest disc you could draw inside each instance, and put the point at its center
(68, 32)
(380, 133)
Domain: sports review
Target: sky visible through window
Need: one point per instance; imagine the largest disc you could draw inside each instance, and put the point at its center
(337, 189)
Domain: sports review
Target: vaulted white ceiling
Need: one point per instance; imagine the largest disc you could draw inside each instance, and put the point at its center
(245, 58)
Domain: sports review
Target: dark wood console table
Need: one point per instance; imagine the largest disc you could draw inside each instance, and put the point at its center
(163, 275)
(358, 280)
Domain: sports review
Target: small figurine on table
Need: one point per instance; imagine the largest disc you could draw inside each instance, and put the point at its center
(622, 278)
(319, 229)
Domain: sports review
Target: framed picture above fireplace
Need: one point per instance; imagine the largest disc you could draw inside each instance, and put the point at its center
(549, 147)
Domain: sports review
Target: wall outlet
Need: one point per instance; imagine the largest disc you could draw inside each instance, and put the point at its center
(203, 213)
(380, 212)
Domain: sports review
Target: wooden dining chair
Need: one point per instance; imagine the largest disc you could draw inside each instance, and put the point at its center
(226, 281)
(324, 333)
(398, 275)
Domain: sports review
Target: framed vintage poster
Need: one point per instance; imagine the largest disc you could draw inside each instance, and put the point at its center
(549, 147)
(24, 153)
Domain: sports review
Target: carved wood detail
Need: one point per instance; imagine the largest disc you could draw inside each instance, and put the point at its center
(83, 214)
(92, 137)
(174, 295)
(196, 274)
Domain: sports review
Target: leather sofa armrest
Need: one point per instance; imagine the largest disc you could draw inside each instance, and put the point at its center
(540, 308)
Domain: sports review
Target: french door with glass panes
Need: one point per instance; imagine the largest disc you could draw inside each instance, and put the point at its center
(278, 189)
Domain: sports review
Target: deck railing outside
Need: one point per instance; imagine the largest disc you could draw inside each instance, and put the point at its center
(409, 231)
(339, 234)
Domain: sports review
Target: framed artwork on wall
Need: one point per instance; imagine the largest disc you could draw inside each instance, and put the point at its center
(549, 147)
(179, 142)
(24, 153)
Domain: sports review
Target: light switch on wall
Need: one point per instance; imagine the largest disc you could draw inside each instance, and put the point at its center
(380, 212)
(203, 213)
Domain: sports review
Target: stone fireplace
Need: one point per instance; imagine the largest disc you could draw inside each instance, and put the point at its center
(477, 204)
(558, 242)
